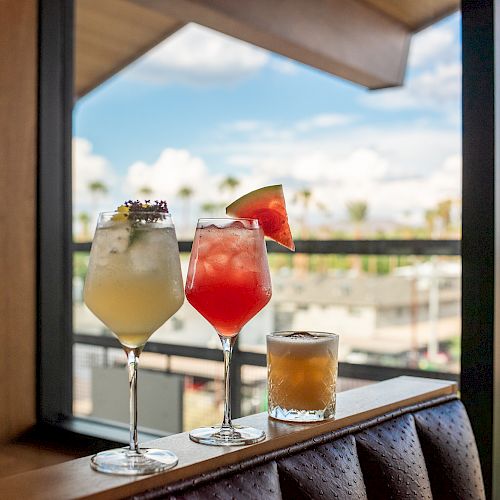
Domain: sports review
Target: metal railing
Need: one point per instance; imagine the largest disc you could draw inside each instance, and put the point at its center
(241, 357)
(346, 247)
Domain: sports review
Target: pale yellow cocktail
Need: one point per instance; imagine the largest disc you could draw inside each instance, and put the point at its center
(133, 285)
(134, 281)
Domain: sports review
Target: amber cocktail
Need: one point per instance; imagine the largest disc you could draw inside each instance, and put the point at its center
(302, 375)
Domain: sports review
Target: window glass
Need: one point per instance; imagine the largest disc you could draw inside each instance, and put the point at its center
(201, 127)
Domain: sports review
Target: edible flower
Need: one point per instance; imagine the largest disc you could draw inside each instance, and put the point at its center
(141, 210)
(122, 214)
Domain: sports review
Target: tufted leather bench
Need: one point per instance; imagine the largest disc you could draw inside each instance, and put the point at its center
(402, 438)
(422, 451)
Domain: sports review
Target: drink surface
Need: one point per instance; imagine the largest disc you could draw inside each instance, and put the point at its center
(134, 281)
(228, 280)
(302, 371)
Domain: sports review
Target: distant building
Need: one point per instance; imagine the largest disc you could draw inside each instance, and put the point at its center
(373, 314)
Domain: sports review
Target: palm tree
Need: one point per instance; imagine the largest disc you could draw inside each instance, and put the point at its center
(98, 188)
(230, 184)
(185, 193)
(303, 196)
(145, 191)
(357, 211)
(430, 219)
(211, 208)
(98, 191)
(443, 211)
(84, 219)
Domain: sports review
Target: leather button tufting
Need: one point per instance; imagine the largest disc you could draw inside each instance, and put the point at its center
(454, 471)
(300, 479)
(383, 473)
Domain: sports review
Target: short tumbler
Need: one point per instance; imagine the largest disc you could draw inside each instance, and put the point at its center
(302, 375)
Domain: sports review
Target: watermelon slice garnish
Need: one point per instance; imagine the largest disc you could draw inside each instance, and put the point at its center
(266, 204)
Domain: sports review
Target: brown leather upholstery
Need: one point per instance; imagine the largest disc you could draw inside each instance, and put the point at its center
(450, 451)
(258, 482)
(328, 471)
(392, 460)
(421, 452)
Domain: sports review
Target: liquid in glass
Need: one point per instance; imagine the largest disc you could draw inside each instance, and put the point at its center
(134, 285)
(228, 283)
(302, 375)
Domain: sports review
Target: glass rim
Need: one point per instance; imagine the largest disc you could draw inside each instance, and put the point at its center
(114, 212)
(227, 218)
(222, 222)
(286, 333)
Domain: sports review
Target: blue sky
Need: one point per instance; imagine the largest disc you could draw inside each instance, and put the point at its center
(202, 106)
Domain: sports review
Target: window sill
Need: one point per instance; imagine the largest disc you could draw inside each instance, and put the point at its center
(76, 478)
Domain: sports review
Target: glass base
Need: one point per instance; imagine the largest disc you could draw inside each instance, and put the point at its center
(237, 436)
(292, 415)
(124, 462)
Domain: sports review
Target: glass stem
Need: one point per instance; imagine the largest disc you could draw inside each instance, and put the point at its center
(227, 349)
(133, 361)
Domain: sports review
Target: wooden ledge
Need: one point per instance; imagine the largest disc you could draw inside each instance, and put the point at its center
(75, 479)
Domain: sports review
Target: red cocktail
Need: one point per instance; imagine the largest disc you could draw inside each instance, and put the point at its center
(228, 279)
(228, 283)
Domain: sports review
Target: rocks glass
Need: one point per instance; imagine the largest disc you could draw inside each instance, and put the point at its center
(302, 375)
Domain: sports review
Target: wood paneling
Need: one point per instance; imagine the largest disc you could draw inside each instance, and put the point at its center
(415, 14)
(343, 37)
(18, 112)
(110, 34)
(364, 41)
(76, 479)
(18, 458)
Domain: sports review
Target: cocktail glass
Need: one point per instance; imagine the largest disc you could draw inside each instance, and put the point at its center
(134, 285)
(302, 375)
(228, 283)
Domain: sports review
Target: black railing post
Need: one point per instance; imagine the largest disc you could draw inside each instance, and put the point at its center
(236, 386)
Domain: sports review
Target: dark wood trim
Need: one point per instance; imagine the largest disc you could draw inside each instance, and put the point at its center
(54, 210)
(478, 242)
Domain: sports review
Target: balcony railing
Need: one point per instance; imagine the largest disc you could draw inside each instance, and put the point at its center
(349, 370)
(347, 247)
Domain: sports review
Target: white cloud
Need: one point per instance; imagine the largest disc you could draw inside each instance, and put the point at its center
(393, 168)
(434, 79)
(284, 65)
(196, 55)
(244, 126)
(434, 43)
(267, 133)
(439, 88)
(89, 167)
(173, 169)
(324, 120)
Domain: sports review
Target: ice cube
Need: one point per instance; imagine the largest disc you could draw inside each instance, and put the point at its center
(218, 261)
(247, 261)
(146, 250)
(109, 241)
(119, 237)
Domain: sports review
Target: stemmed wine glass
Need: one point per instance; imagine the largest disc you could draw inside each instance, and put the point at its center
(228, 283)
(133, 285)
